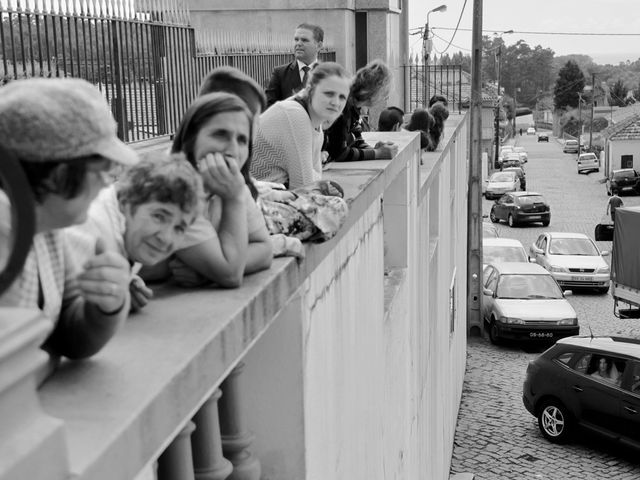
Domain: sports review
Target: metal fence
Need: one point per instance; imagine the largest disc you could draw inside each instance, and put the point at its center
(144, 55)
(428, 80)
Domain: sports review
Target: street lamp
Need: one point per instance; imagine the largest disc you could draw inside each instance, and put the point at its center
(426, 50)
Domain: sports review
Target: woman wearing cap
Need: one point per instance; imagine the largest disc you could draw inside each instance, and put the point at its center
(143, 216)
(63, 134)
(288, 142)
(231, 239)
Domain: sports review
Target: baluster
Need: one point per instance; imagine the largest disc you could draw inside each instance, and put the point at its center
(208, 462)
(176, 462)
(235, 437)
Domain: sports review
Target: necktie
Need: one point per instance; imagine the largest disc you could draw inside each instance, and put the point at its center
(305, 76)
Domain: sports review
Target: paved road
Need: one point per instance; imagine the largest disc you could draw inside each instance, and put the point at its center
(496, 438)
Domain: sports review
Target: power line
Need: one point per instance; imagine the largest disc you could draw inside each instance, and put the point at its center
(456, 30)
(592, 34)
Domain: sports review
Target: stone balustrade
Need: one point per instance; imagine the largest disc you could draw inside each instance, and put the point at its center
(347, 364)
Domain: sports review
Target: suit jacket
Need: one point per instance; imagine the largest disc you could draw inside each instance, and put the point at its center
(284, 82)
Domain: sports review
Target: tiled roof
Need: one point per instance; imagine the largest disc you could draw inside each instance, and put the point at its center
(627, 129)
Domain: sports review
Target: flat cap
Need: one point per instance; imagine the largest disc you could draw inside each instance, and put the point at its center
(54, 119)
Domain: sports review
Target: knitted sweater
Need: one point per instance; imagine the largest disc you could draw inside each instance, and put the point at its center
(286, 147)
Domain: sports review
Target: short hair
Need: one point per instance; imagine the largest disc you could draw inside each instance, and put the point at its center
(370, 81)
(199, 112)
(61, 177)
(167, 178)
(421, 119)
(318, 32)
(318, 73)
(390, 117)
(437, 98)
(231, 80)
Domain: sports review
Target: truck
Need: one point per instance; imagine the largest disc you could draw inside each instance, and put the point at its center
(625, 263)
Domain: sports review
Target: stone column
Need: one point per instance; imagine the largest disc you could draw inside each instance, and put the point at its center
(208, 462)
(176, 462)
(235, 437)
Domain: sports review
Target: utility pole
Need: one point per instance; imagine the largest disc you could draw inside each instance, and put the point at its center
(474, 200)
(497, 112)
(593, 104)
(580, 119)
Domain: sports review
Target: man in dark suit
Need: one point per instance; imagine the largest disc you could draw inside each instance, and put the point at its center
(288, 79)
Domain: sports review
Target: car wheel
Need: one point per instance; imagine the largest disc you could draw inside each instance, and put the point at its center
(511, 221)
(492, 217)
(554, 421)
(545, 223)
(494, 335)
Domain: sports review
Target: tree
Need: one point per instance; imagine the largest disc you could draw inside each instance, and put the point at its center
(618, 94)
(569, 84)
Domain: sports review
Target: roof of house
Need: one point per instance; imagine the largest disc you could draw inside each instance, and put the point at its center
(626, 129)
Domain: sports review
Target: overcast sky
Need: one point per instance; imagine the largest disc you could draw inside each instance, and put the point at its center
(550, 17)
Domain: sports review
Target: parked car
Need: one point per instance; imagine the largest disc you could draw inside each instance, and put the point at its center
(571, 146)
(489, 230)
(531, 131)
(519, 171)
(588, 162)
(625, 180)
(573, 259)
(543, 137)
(503, 250)
(524, 158)
(521, 207)
(522, 301)
(586, 383)
(501, 182)
(511, 157)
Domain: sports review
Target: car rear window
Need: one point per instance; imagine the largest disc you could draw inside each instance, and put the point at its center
(526, 286)
(494, 253)
(530, 199)
(627, 174)
(502, 177)
(588, 156)
(565, 357)
(571, 142)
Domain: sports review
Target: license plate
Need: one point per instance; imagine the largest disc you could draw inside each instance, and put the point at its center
(580, 279)
(534, 217)
(541, 334)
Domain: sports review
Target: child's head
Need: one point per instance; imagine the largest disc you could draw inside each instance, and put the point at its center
(217, 122)
(390, 119)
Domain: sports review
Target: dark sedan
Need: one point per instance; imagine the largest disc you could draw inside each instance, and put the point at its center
(521, 207)
(543, 137)
(590, 383)
(625, 180)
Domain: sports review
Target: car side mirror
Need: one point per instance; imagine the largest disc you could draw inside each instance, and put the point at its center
(567, 293)
(487, 291)
(605, 253)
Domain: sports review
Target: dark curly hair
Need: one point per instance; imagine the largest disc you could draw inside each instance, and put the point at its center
(168, 178)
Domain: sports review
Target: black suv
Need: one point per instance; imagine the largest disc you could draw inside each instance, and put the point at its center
(625, 180)
(586, 382)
